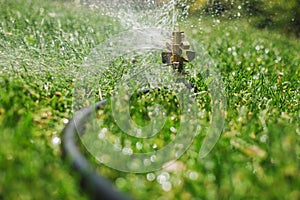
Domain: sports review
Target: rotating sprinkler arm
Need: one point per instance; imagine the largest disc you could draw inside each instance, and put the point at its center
(177, 52)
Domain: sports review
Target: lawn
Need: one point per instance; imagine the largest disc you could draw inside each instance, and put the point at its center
(43, 45)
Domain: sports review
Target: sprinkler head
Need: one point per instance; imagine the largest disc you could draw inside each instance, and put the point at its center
(177, 52)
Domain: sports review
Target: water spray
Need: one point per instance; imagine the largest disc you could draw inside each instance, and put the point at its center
(145, 39)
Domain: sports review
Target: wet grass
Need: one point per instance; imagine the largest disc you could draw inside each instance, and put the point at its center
(42, 46)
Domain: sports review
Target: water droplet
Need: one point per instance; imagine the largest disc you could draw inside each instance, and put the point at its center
(281, 73)
(166, 186)
(193, 175)
(263, 138)
(150, 177)
(127, 151)
(163, 177)
(154, 146)
(256, 77)
(153, 158)
(139, 145)
(65, 121)
(267, 51)
(278, 60)
(259, 59)
(55, 140)
(173, 130)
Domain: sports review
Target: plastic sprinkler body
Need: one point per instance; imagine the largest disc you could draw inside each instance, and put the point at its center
(178, 52)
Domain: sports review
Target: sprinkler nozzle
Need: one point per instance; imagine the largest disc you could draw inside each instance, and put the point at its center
(177, 51)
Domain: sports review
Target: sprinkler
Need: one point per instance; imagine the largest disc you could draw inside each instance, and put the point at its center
(177, 52)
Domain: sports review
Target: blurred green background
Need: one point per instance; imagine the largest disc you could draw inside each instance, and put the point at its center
(272, 14)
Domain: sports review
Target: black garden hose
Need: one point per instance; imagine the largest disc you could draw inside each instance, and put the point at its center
(97, 187)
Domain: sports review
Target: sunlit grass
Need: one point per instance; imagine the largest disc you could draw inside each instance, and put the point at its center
(42, 46)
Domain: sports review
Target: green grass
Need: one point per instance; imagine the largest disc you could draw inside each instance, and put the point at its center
(42, 46)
